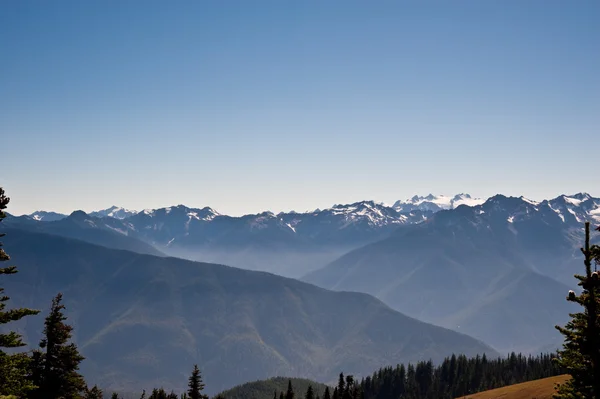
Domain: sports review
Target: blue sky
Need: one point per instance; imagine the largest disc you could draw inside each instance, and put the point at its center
(253, 105)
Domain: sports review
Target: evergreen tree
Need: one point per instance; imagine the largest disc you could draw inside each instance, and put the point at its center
(310, 394)
(94, 393)
(196, 385)
(114, 396)
(143, 394)
(55, 371)
(281, 396)
(580, 356)
(290, 391)
(14, 366)
(341, 387)
(327, 394)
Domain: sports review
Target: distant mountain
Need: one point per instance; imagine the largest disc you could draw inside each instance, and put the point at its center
(108, 232)
(113, 212)
(46, 216)
(434, 203)
(289, 244)
(143, 321)
(497, 271)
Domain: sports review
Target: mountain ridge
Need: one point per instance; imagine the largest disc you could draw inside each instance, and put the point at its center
(240, 325)
(462, 265)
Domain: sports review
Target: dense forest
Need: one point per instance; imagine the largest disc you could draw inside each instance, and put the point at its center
(455, 376)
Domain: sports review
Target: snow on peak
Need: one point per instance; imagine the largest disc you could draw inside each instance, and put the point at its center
(114, 211)
(529, 201)
(436, 202)
(44, 216)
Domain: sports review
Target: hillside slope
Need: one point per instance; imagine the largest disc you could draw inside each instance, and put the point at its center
(265, 389)
(143, 320)
(492, 271)
(539, 389)
(106, 232)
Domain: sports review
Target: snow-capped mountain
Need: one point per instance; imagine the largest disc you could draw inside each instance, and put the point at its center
(114, 212)
(358, 222)
(266, 241)
(579, 207)
(435, 203)
(46, 216)
(509, 255)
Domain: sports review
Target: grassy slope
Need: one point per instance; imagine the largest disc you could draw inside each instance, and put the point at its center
(539, 389)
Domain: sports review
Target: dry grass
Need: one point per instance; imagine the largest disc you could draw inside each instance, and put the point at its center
(539, 389)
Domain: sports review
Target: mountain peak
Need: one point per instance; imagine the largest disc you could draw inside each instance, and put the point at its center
(46, 216)
(436, 202)
(114, 211)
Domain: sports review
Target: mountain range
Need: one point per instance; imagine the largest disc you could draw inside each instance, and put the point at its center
(143, 320)
(497, 271)
(468, 265)
(289, 244)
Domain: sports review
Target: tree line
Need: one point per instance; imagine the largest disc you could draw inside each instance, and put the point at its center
(455, 376)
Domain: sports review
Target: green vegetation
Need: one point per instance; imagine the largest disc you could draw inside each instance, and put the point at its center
(55, 365)
(13, 366)
(580, 356)
(264, 389)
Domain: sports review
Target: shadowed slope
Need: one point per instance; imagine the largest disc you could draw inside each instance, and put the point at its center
(143, 320)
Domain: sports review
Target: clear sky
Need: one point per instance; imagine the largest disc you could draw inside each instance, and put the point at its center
(253, 105)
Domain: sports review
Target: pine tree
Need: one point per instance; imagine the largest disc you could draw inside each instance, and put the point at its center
(580, 356)
(290, 391)
(94, 393)
(114, 396)
(196, 385)
(55, 371)
(310, 394)
(13, 367)
(327, 394)
(341, 386)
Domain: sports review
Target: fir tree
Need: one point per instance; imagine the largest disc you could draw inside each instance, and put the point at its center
(327, 394)
(94, 393)
(290, 391)
(14, 366)
(341, 387)
(196, 385)
(55, 371)
(580, 356)
(310, 394)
